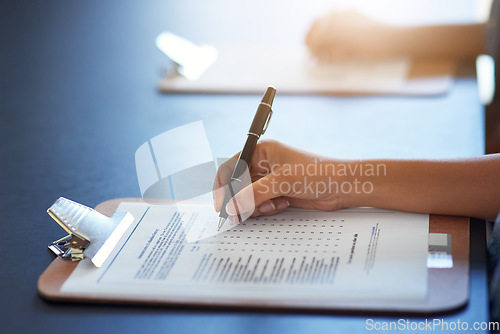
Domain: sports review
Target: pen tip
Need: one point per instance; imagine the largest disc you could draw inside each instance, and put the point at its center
(221, 222)
(269, 95)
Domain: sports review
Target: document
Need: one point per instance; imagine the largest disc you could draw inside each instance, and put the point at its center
(350, 254)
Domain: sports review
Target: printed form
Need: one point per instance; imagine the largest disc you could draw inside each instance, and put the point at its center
(176, 250)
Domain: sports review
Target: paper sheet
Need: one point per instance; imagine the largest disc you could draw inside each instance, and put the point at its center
(349, 254)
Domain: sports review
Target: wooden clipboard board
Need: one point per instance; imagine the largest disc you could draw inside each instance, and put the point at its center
(448, 289)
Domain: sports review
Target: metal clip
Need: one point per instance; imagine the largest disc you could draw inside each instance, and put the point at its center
(90, 233)
(70, 247)
(267, 121)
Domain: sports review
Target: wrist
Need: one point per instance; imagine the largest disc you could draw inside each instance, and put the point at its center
(356, 183)
(341, 181)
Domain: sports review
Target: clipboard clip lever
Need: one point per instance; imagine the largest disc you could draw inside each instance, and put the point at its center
(187, 59)
(90, 233)
(70, 247)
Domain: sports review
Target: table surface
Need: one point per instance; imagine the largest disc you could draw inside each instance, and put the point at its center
(78, 97)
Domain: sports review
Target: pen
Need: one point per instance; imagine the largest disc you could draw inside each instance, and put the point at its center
(259, 126)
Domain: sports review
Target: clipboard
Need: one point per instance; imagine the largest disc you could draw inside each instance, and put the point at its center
(246, 68)
(448, 289)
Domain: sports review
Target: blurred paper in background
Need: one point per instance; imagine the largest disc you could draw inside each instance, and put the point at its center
(275, 54)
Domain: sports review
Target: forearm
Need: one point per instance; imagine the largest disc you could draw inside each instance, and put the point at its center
(458, 41)
(467, 187)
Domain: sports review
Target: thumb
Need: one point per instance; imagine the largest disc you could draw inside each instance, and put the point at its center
(255, 194)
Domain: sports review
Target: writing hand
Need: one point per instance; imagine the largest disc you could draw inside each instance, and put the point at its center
(280, 178)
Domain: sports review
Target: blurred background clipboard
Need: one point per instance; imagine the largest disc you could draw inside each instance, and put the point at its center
(246, 68)
(448, 287)
(284, 61)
